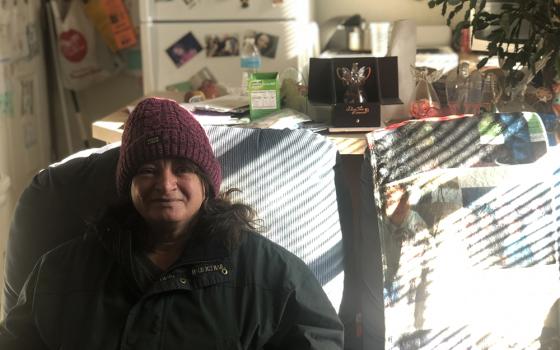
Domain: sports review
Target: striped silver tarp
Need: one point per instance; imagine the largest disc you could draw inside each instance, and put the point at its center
(288, 177)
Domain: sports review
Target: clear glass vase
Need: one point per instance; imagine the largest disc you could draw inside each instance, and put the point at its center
(515, 100)
(491, 93)
(515, 95)
(463, 90)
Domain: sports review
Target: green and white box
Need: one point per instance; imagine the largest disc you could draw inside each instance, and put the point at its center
(264, 94)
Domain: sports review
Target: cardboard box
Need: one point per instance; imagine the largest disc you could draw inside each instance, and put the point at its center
(380, 88)
(264, 94)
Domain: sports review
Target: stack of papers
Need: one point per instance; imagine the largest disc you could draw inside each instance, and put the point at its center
(234, 110)
(224, 110)
(283, 119)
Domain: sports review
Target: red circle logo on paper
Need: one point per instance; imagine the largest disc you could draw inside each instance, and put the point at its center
(73, 45)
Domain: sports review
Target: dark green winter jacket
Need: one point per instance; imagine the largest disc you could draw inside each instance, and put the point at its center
(88, 295)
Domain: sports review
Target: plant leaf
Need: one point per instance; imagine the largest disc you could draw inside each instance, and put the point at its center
(482, 62)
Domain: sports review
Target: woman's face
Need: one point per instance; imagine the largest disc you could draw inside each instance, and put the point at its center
(167, 192)
(263, 41)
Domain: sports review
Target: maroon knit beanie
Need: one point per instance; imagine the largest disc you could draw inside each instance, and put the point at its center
(159, 128)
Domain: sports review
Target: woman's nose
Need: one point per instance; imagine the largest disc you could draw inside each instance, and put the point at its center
(167, 180)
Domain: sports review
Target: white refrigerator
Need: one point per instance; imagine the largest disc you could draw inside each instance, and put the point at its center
(187, 41)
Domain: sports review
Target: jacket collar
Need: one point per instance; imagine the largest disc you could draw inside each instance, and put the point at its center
(201, 250)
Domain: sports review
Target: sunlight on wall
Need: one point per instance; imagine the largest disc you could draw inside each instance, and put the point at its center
(296, 9)
(373, 10)
(302, 43)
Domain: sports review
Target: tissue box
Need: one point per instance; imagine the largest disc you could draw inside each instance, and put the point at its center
(264, 94)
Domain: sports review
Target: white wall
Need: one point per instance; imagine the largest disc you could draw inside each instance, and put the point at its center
(379, 10)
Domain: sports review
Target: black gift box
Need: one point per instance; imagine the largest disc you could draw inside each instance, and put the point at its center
(381, 88)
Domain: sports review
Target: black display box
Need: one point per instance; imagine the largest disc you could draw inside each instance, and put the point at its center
(381, 88)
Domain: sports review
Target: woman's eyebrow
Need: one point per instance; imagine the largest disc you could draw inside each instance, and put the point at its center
(183, 162)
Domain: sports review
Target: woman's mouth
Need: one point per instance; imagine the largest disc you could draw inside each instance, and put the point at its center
(165, 200)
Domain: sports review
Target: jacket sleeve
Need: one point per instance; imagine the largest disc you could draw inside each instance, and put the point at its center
(308, 321)
(17, 330)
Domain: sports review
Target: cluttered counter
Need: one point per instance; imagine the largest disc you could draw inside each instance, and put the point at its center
(109, 129)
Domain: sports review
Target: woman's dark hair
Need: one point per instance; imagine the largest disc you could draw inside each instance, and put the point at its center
(223, 219)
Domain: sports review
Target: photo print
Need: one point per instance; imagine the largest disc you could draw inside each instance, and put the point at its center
(222, 45)
(203, 75)
(183, 86)
(202, 84)
(205, 82)
(184, 49)
(266, 43)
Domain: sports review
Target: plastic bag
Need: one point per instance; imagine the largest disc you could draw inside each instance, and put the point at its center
(111, 19)
(84, 58)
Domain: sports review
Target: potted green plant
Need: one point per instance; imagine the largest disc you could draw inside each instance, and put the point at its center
(540, 20)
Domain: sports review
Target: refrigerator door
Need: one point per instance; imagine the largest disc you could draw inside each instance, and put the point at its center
(162, 67)
(216, 10)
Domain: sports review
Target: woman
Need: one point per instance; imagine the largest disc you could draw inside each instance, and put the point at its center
(174, 265)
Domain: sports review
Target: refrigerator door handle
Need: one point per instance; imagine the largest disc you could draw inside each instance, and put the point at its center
(146, 8)
(148, 56)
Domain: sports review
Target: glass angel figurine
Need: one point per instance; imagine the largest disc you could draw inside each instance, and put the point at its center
(425, 103)
(354, 80)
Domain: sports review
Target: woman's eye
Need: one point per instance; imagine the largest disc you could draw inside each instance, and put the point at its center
(146, 171)
(183, 169)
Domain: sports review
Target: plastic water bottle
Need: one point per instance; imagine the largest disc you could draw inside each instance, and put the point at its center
(250, 62)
